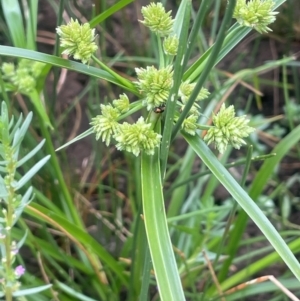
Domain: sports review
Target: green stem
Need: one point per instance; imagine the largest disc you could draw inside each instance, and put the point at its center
(162, 255)
(160, 53)
(205, 4)
(10, 210)
(177, 78)
(209, 65)
(119, 78)
(68, 204)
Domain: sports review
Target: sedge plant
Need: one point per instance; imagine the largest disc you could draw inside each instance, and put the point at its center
(171, 96)
(165, 89)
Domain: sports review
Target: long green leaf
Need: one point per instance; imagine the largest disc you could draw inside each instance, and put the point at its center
(257, 266)
(160, 245)
(245, 201)
(62, 63)
(13, 17)
(87, 240)
(31, 25)
(108, 12)
(256, 189)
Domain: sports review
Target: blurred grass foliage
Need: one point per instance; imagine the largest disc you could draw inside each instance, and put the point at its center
(86, 231)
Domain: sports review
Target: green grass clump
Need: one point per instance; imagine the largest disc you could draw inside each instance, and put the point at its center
(141, 216)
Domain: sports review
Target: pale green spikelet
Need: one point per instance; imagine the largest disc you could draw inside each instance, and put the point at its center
(8, 70)
(170, 45)
(122, 104)
(157, 19)
(24, 76)
(155, 85)
(185, 90)
(137, 137)
(189, 124)
(257, 14)
(228, 129)
(106, 124)
(77, 40)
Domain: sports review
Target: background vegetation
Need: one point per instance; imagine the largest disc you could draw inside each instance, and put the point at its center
(85, 231)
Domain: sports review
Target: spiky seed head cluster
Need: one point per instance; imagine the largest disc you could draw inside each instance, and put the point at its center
(77, 40)
(133, 138)
(228, 129)
(105, 125)
(190, 124)
(122, 104)
(155, 85)
(257, 14)
(170, 45)
(185, 90)
(157, 19)
(137, 137)
(24, 76)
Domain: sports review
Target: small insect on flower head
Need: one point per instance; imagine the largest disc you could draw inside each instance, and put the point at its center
(160, 109)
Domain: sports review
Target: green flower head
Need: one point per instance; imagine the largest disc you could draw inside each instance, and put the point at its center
(122, 104)
(170, 45)
(156, 18)
(155, 85)
(137, 137)
(24, 76)
(189, 124)
(8, 70)
(228, 129)
(257, 14)
(105, 125)
(185, 90)
(77, 40)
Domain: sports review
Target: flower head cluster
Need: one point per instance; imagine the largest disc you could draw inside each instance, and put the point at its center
(133, 138)
(24, 76)
(185, 90)
(122, 104)
(255, 13)
(157, 19)
(155, 85)
(189, 124)
(137, 137)
(170, 45)
(106, 124)
(77, 40)
(228, 129)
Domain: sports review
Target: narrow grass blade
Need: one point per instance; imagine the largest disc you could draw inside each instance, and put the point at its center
(178, 70)
(160, 245)
(70, 291)
(79, 236)
(245, 201)
(31, 25)
(62, 63)
(108, 12)
(31, 291)
(257, 266)
(13, 18)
